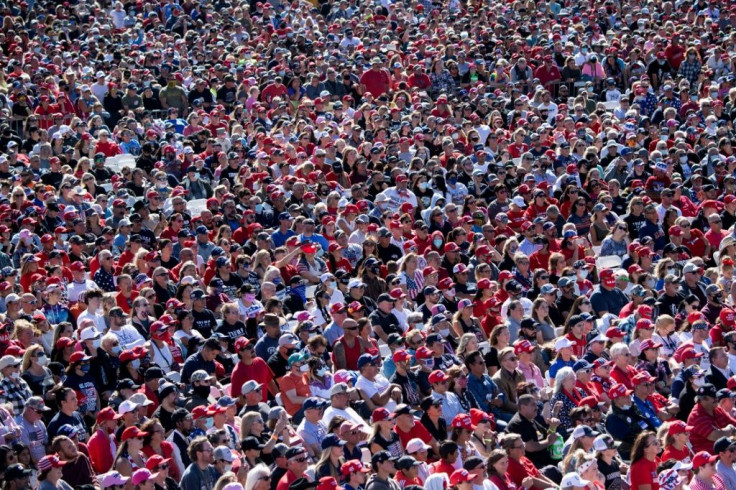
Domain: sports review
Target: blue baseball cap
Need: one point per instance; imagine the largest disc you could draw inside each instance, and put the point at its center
(285, 217)
(332, 440)
(581, 364)
(202, 230)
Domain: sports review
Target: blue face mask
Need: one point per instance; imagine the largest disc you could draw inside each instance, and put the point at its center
(259, 208)
(437, 243)
(300, 291)
(85, 368)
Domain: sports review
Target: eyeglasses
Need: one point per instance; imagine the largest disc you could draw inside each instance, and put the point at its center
(512, 359)
(300, 460)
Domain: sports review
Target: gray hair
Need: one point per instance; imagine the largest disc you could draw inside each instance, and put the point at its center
(563, 375)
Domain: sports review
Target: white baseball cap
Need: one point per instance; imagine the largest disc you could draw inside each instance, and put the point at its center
(573, 480)
(562, 343)
(415, 445)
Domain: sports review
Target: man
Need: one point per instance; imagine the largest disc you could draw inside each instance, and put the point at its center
(608, 298)
(373, 387)
(17, 477)
(692, 283)
(200, 474)
(449, 454)
(482, 386)
(406, 378)
(709, 422)
(527, 425)
(311, 429)
(202, 360)
(623, 372)
(168, 395)
(441, 391)
(719, 371)
(725, 449)
(269, 343)
(102, 446)
(624, 421)
(296, 466)
(508, 377)
(200, 390)
(179, 437)
(340, 406)
(32, 429)
(67, 414)
(78, 470)
(354, 474)
(349, 347)
(223, 460)
(522, 470)
(279, 361)
(252, 399)
(13, 389)
(384, 470)
(642, 384)
(408, 428)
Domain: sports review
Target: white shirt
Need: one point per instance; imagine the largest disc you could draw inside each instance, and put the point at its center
(378, 385)
(525, 303)
(347, 413)
(99, 320)
(128, 337)
(76, 288)
(397, 198)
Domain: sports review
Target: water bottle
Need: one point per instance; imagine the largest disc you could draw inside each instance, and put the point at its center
(556, 449)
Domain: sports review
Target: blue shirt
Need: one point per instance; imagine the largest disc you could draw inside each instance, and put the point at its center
(557, 365)
(316, 239)
(279, 239)
(481, 387)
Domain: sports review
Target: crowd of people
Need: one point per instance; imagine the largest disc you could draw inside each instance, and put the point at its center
(388, 245)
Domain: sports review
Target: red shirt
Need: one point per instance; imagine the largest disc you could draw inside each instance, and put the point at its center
(644, 472)
(100, 451)
(109, 148)
(417, 431)
(704, 423)
(518, 470)
(578, 349)
(696, 243)
(625, 377)
(125, 303)
(377, 82)
(258, 371)
(441, 467)
(713, 237)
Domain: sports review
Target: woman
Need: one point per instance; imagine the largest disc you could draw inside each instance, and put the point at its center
(644, 461)
(252, 425)
(130, 456)
(567, 393)
(609, 464)
(294, 387)
(141, 317)
(331, 459)
(522, 272)
(35, 372)
(581, 445)
(499, 339)
(580, 218)
(432, 418)
(384, 438)
(643, 331)
(563, 358)
(664, 334)
(468, 343)
(676, 441)
(650, 362)
(464, 322)
(575, 333)
(497, 468)
(615, 243)
(483, 436)
(79, 379)
(599, 229)
(459, 385)
(411, 276)
(49, 474)
(259, 478)
(155, 443)
(320, 378)
(540, 313)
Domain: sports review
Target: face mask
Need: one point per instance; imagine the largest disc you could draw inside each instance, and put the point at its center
(15, 375)
(451, 293)
(698, 382)
(321, 372)
(117, 350)
(304, 368)
(683, 159)
(330, 284)
(663, 137)
(201, 391)
(445, 332)
(651, 283)
(671, 271)
(429, 363)
(43, 360)
(259, 208)
(227, 467)
(249, 297)
(136, 364)
(452, 181)
(419, 326)
(209, 423)
(319, 253)
(437, 243)
(626, 407)
(85, 368)
(422, 186)
(583, 274)
(96, 343)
